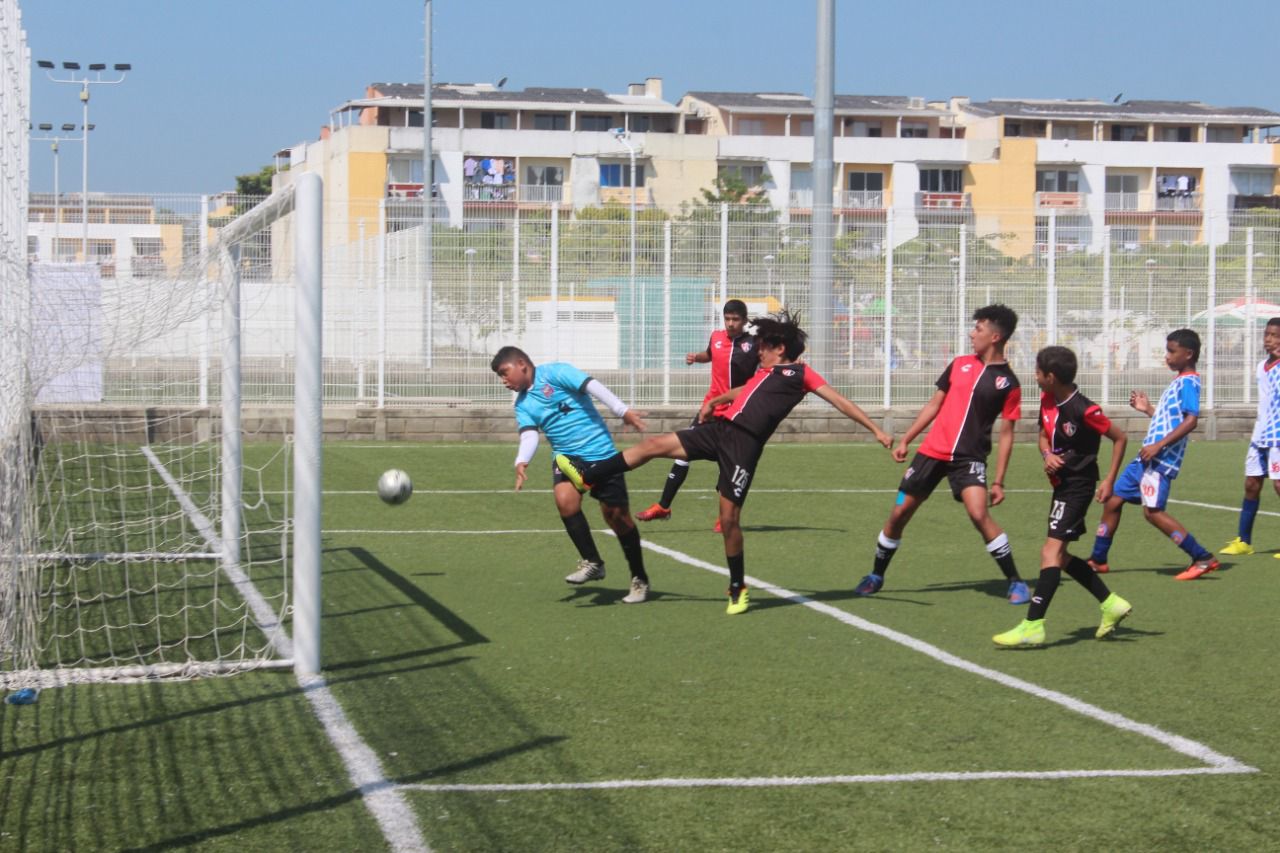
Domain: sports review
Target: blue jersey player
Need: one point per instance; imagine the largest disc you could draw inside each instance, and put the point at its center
(1262, 459)
(1146, 480)
(556, 399)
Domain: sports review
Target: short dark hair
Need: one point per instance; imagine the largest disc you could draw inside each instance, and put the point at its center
(1059, 361)
(1187, 339)
(1004, 318)
(781, 329)
(735, 306)
(1274, 321)
(506, 355)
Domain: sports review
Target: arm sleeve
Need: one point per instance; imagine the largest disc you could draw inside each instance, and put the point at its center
(1096, 420)
(1013, 404)
(944, 381)
(596, 389)
(528, 446)
(1190, 396)
(813, 380)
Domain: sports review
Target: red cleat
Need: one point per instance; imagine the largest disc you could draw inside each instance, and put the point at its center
(657, 512)
(1098, 568)
(1196, 569)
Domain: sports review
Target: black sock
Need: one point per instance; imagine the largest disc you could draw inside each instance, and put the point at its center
(737, 571)
(675, 479)
(580, 532)
(1087, 578)
(598, 472)
(1002, 551)
(630, 542)
(885, 549)
(1046, 586)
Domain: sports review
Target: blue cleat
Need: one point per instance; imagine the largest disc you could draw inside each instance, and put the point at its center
(1018, 593)
(869, 585)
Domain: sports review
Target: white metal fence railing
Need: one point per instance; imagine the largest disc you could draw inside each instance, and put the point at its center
(559, 283)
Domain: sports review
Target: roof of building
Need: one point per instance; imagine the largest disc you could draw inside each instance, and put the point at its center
(1087, 109)
(783, 102)
(464, 94)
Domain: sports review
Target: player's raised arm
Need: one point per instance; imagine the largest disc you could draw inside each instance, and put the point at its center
(850, 410)
(631, 417)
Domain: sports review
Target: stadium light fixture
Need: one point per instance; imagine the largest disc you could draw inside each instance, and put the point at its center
(84, 81)
(54, 141)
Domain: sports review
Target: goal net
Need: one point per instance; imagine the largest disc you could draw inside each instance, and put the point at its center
(145, 536)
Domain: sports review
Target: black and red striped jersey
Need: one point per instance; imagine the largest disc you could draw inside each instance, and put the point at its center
(770, 395)
(733, 362)
(1075, 428)
(975, 394)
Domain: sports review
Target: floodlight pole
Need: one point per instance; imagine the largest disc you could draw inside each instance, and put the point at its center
(57, 195)
(823, 168)
(121, 68)
(428, 312)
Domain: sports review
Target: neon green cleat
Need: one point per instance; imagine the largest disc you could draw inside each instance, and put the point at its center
(739, 603)
(1237, 548)
(1114, 609)
(1028, 633)
(571, 472)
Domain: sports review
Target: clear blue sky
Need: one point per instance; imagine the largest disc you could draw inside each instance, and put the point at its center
(219, 85)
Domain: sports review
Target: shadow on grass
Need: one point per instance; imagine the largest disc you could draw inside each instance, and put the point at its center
(595, 596)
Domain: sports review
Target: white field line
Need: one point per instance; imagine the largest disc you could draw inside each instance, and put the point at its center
(398, 823)
(1216, 763)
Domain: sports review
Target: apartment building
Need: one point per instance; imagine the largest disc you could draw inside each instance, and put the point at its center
(1082, 169)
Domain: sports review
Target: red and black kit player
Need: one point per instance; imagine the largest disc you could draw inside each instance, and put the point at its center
(734, 358)
(972, 392)
(1071, 431)
(737, 438)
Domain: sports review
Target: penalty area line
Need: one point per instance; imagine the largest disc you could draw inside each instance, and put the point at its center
(803, 781)
(1190, 748)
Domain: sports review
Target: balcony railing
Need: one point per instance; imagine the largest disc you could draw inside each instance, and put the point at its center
(843, 199)
(1150, 201)
(489, 192)
(941, 201)
(1059, 200)
(1248, 202)
(541, 193)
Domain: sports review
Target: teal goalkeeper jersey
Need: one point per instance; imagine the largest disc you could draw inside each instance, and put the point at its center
(558, 404)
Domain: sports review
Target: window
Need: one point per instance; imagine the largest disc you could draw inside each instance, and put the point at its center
(415, 118)
(857, 127)
(147, 246)
(1257, 182)
(1128, 133)
(749, 127)
(33, 247)
(495, 121)
(1122, 192)
(1177, 134)
(544, 176)
(803, 128)
(550, 121)
(801, 179)
(1225, 134)
(751, 174)
(866, 181)
(1057, 181)
(404, 170)
(619, 175)
(1066, 131)
(941, 180)
(595, 122)
(915, 130)
(640, 124)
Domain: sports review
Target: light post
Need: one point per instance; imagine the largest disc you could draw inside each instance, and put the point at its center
(84, 81)
(768, 272)
(624, 136)
(1150, 264)
(57, 195)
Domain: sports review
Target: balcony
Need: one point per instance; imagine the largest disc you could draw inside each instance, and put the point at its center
(927, 201)
(1152, 202)
(489, 192)
(1059, 201)
(1249, 202)
(540, 193)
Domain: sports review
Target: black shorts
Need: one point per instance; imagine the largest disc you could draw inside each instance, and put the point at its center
(925, 473)
(611, 492)
(1070, 506)
(736, 450)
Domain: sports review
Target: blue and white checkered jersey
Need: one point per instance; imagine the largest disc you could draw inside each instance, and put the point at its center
(1180, 399)
(1266, 429)
(558, 404)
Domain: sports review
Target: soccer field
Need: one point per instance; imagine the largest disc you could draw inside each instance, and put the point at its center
(473, 701)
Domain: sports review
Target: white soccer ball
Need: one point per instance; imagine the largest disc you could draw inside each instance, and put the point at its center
(394, 486)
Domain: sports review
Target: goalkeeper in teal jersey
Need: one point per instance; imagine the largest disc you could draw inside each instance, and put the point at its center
(556, 399)
(1262, 459)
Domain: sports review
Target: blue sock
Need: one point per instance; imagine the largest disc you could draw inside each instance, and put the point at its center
(1101, 547)
(1193, 548)
(1248, 512)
